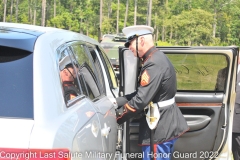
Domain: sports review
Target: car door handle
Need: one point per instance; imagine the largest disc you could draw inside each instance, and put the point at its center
(197, 122)
(105, 131)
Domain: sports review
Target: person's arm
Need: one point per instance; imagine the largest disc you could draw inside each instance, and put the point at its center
(149, 86)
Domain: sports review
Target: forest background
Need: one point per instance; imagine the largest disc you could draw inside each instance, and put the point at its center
(176, 22)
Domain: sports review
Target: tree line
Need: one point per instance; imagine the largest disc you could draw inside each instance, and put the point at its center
(176, 22)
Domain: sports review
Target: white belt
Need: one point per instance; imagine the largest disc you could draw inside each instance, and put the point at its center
(166, 103)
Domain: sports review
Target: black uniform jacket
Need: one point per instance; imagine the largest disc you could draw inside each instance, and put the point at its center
(157, 83)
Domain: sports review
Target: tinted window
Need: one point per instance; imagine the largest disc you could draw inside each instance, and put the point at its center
(200, 71)
(16, 83)
(98, 72)
(91, 84)
(68, 73)
(109, 69)
(86, 70)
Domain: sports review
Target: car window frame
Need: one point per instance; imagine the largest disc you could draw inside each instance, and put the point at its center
(81, 96)
(102, 53)
(103, 87)
(200, 72)
(95, 78)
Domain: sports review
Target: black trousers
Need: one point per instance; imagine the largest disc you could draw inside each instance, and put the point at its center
(236, 146)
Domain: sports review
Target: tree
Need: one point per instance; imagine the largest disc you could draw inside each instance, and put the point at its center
(54, 6)
(135, 13)
(5, 10)
(100, 18)
(192, 27)
(126, 14)
(16, 10)
(35, 12)
(11, 10)
(149, 13)
(214, 19)
(43, 12)
(177, 21)
(117, 30)
(109, 8)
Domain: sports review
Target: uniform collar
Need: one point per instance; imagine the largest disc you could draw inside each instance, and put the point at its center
(147, 54)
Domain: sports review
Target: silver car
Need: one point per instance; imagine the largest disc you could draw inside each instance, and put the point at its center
(57, 92)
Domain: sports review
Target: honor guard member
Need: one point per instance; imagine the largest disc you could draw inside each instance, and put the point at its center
(68, 76)
(157, 86)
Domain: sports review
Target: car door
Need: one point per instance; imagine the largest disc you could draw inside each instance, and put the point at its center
(81, 128)
(205, 95)
(105, 106)
(91, 74)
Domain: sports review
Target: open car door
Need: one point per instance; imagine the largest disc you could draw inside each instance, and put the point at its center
(206, 79)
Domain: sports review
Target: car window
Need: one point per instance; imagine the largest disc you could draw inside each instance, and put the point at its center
(120, 39)
(99, 73)
(108, 67)
(206, 72)
(16, 83)
(68, 74)
(86, 70)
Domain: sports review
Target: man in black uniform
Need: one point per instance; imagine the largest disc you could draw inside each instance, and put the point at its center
(157, 84)
(68, 75)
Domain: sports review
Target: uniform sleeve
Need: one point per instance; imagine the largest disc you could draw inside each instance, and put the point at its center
(121, 101)
(124, 99)
(150, 84)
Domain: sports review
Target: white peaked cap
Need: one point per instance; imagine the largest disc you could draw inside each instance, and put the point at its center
(64, 62)
(137, 29)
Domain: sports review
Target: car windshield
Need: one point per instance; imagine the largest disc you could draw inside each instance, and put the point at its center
(16, 83)
(114, 38)
(120, 39)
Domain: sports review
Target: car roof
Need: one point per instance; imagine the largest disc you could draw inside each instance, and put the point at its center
(24, 36)
(26, 28)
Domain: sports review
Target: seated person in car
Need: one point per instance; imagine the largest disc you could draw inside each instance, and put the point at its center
(68, 76)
